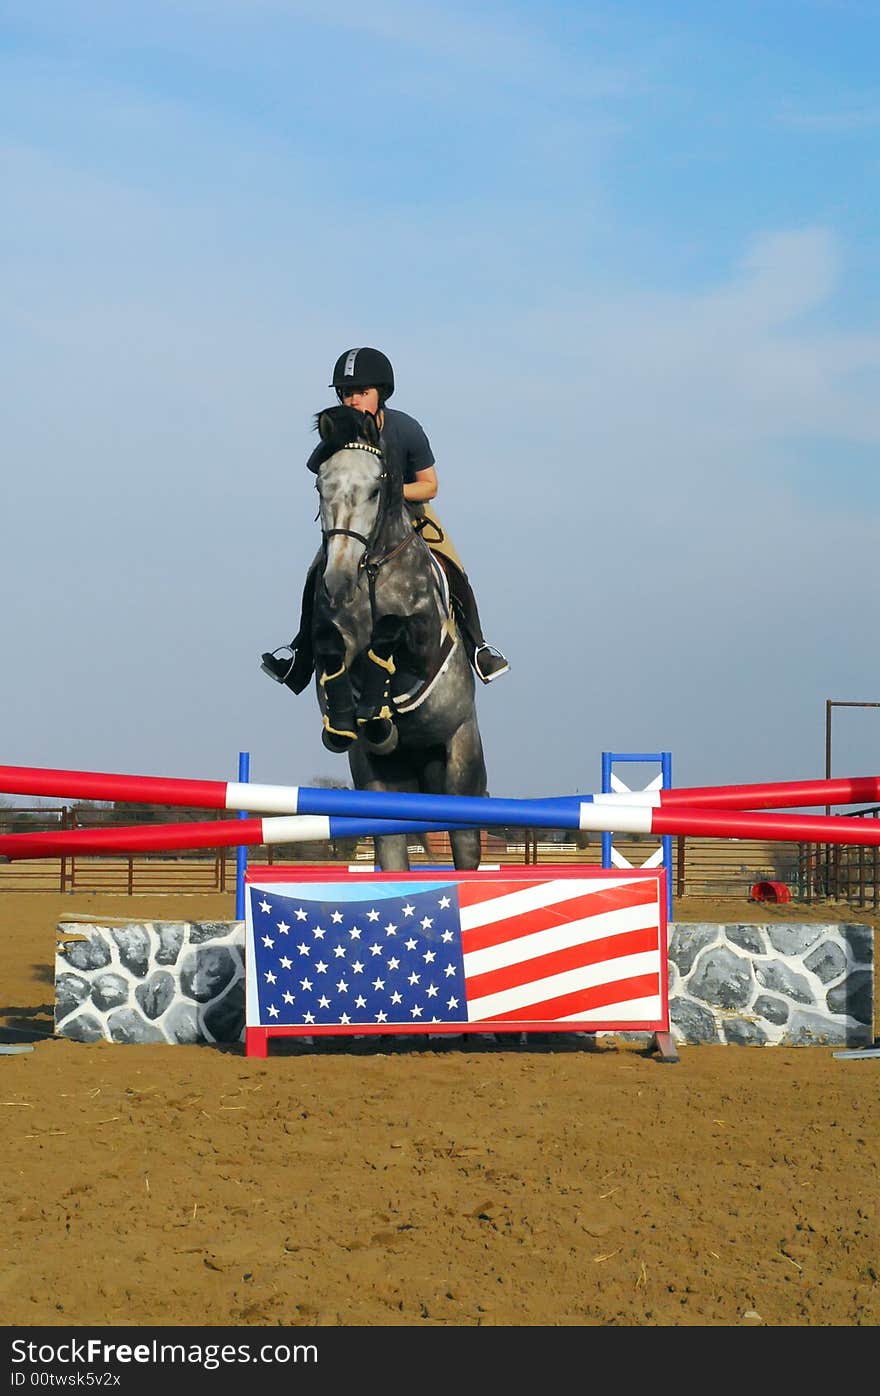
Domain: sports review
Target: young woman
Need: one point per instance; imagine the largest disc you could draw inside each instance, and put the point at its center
(364, 379)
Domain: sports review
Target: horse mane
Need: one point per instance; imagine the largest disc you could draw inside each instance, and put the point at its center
(338, 426)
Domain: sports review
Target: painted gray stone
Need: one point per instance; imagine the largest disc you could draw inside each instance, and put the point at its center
(170, 935)
(83, 1028)
(201, 931)
(741, 1032)
(827, 961)
(181, 1023)
(126, 1025)
(70, 992)
(774, 1010)
(686, 942)
(224, 1018)
(776, 975)
(808, 1029)
(747, 938)
(860, 942)
(694, 1023)
(133, 944)
(854, 998)
(722, 978)
(794, 940)
(93, 953)
(205, 973)
(109, 991)
(157, 994)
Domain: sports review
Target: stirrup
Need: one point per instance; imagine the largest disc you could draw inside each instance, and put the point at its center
(489, 663)
(278, 669)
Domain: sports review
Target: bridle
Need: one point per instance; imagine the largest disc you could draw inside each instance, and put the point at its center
(368, 562)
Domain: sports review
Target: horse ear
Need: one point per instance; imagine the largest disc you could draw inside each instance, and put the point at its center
(371, 429)
(325, 425)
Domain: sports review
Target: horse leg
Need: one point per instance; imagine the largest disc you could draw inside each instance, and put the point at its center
(371, 772)
(335, 685)
(466, 775)
(373, 713)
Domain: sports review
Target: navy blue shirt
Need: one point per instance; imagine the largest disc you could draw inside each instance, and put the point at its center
(403, 440)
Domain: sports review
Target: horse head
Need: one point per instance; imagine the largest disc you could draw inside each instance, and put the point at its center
(361, 498)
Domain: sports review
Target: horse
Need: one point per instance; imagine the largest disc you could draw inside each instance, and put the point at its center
(395, 687)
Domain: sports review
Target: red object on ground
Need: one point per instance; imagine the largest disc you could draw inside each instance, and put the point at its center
(770, 892)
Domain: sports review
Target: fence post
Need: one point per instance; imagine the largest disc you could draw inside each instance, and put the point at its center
(611, 857)
(244, 774)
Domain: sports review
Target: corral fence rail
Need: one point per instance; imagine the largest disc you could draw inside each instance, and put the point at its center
(708, 867)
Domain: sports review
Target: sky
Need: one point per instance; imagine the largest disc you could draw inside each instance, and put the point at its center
(623, 257)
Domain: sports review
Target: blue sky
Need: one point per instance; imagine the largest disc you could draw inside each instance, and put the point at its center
(623, 258)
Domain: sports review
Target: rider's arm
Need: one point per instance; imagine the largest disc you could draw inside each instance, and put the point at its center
(423, 487)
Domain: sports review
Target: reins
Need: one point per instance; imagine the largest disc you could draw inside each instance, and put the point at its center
(369, 564)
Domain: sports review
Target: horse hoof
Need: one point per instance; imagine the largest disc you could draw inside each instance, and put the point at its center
(334, 743)
(380, 735)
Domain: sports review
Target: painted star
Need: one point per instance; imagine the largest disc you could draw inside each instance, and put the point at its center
(416, 1011)
(268, 942)
(273, 1011)
(323, 1002)
(373, 915)
(265, 906)
(342, 986)
(285, 963)
(304, 949)
(427, 922)
(411, 944)
(355, 933)
(301, 915)
(452, 1003)
(450, 969)
(429, 956)
(408, 910)
(357, 967)
(431, 991)
(444, 903)
(288, 996)
(319, 933)
(305, 984)
(393, 963)
(391, 929)
(339, 952)
(413, 979)
(381, 1017)
(446, 936)
(375, 950)
(320, 967)
(336, 917)
(269, 977)
(283, 927)
(378, 983)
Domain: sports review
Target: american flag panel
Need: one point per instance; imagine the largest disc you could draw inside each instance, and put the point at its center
(429, 951)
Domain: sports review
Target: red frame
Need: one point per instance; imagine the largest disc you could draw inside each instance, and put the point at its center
(257, 1038)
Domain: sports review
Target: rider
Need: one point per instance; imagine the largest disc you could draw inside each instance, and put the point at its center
(364, 379)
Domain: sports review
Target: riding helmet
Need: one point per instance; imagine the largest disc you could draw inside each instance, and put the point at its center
(363, 368)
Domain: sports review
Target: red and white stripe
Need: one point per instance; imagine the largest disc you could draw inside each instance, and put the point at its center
(567, 950)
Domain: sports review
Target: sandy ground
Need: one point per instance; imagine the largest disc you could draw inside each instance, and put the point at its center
(395, 1184)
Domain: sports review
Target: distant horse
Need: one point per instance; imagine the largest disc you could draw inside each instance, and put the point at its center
(394, 683)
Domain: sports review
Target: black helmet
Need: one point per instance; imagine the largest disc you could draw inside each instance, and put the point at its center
(363, 368)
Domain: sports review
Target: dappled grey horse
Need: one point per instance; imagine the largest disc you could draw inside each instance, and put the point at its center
(394, 683)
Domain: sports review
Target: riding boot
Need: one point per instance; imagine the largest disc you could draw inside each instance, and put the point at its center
(488, 662)
(297, 670)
